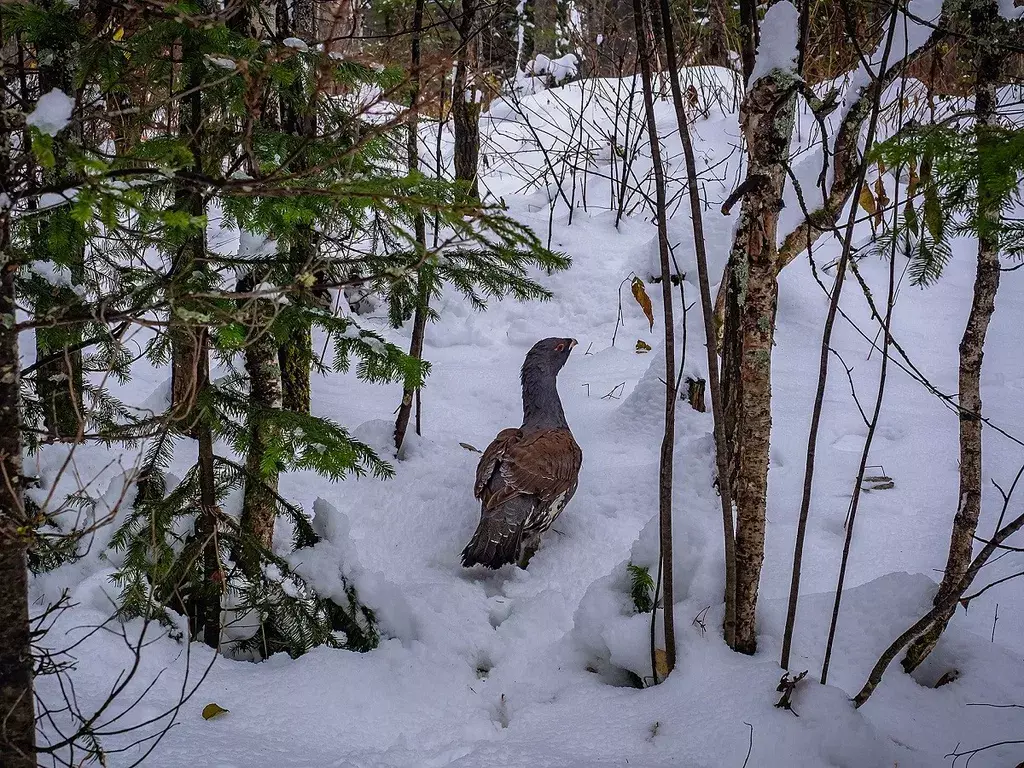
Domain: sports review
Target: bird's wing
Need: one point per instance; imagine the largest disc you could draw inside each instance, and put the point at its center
(545, 464)
(491, 457)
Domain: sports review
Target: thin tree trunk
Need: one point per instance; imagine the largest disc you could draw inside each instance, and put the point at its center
(59, 386)
(716, 49)
(767, 117)
(527, 25)
(17, 700)
(185, 345)
(696, 217)
(465, 105)
(295, 356)
(59, 383)
(206, 607)
(259, 505)
(865, 453)
(668, 440)
(984, 18)
(419, 323)
(749, 35)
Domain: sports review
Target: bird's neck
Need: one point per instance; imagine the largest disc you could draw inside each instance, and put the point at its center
(542, 408)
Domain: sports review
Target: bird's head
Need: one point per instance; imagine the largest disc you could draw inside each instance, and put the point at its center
(549, 355)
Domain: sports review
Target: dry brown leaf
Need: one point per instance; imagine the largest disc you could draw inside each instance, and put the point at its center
(867, 201)
(640, 294)
(211, 711)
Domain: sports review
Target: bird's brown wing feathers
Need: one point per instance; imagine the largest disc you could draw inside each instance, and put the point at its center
(489, 461)
(544, 464)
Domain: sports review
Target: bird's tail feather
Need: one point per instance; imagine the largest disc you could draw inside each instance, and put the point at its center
(498, 537)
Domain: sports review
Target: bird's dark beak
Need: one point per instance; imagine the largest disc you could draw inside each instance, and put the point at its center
(572, 343)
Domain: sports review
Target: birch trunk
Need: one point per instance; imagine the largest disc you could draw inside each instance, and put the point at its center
(984, 18)
(767, 116)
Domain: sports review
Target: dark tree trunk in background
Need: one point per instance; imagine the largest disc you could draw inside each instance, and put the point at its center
(499, 43)
(206, 606)
(465, 105)
(716, 45)
(527, 20)
(295, 355)
(185, 346)
(58, 383)
(17, 700)
(550, 32)
(748, 36)
(985, 22)
(419, 323)
(767, 116)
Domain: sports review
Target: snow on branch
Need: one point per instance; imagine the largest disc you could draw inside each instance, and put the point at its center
(52, 112)
(780, 33)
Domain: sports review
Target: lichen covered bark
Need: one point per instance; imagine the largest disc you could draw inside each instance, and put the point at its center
(767, 117)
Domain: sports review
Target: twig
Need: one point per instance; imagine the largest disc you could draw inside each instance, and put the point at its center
(750, 744)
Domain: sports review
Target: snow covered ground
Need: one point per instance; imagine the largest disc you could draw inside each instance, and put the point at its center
(517, 668)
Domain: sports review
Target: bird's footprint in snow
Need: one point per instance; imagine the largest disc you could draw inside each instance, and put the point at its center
(484, 665)
(501, 609)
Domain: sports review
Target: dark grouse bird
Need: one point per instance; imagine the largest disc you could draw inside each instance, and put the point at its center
(527, 475)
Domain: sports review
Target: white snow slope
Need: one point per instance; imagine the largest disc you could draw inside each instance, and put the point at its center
(518, 668)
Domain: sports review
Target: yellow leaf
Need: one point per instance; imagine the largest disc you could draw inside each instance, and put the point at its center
(642, 346)
(912, 180)
(640, 294)
(661, 663)
(119, 33)
(211, 711)
(867, 201)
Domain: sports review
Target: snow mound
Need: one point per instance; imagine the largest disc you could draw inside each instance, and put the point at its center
(332, 565)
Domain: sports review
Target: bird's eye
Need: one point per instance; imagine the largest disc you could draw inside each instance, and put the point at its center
(559, 346)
